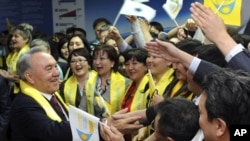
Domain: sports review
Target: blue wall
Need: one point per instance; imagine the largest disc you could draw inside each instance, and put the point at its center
(39, 14)
(110, 9)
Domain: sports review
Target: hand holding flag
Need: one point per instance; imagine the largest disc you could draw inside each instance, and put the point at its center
(136, 9)
(172, 8)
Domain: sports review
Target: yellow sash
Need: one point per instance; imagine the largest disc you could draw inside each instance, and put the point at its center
(37, 96)
(177, 87)
(11, 62)
(12, 59)
(140, 96)
(165, 80)
(70, 89)
(67, 74)
(117, 90)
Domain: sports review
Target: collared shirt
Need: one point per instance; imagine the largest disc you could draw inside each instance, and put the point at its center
(48, 97)
(196, 61)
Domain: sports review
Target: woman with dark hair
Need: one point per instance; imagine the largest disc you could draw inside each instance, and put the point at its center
(71, 89)
(63, 54)
(137, 93)
(78, 41)
(105, 88)
(75, 42)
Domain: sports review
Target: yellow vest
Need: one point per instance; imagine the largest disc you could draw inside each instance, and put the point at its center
(117, 90)
(41, 100)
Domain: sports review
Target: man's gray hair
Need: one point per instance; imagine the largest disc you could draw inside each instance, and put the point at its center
(24, 62)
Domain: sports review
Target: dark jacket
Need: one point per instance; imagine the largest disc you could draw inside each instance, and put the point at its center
(29, 122)
(4, 108)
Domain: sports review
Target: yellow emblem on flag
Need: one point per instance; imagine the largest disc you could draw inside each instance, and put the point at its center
(228, 10)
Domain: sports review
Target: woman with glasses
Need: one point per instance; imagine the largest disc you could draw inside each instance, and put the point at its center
(71, 90)
(105, 88)
(75, 42)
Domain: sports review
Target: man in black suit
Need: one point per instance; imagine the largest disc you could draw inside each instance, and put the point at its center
(32, 116)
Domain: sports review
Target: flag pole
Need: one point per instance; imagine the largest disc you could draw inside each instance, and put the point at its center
(217, 10)
(176, 23)
(151, 77)
(103, 104)
(116, 19)
(118, 15)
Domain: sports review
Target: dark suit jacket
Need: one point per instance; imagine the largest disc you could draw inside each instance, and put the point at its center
(4, 108)
(29, 122)
(239, 61)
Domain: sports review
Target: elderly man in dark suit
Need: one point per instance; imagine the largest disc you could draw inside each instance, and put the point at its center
(33, 116)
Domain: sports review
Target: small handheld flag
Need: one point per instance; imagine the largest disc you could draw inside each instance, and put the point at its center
(172, 8)
(84, 126)
(227, 10)
(136, 9)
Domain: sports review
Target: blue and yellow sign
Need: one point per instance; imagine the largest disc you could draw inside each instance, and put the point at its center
(228, 10)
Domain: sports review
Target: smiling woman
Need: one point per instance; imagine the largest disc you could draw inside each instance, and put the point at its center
(80, 62)
(105, 88)
(137, 93)
(21, 37)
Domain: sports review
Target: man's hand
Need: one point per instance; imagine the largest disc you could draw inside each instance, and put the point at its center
(125, 122)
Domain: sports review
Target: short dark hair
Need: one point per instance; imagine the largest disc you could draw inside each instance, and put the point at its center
(81, 52)
(179, 119)
(99, 20)
(211, 53)
(60, 44)
(228, 96)
(84, 40)
(140, 54)
(111, 52)
(189, 45)
(157, 25)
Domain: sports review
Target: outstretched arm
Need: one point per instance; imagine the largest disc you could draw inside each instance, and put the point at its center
(213, 27)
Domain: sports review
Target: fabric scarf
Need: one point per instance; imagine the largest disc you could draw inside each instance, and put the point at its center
(140, 95)
(70, 90)
(117, 90)
(11, 62)
(165, 80)
(42, 101)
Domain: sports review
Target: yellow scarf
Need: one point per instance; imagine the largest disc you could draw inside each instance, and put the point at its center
(11, 62)
(165, 80)
(38, 97)
(70, 89)
(13, 57)
(184, 94)
(117, 90)
(140, 96)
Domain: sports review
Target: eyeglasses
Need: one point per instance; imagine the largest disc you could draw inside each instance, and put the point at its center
(80, 61)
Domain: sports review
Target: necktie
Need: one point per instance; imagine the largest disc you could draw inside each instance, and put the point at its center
(55, 104)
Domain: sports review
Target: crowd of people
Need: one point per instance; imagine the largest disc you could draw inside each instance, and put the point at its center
(151, 85)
